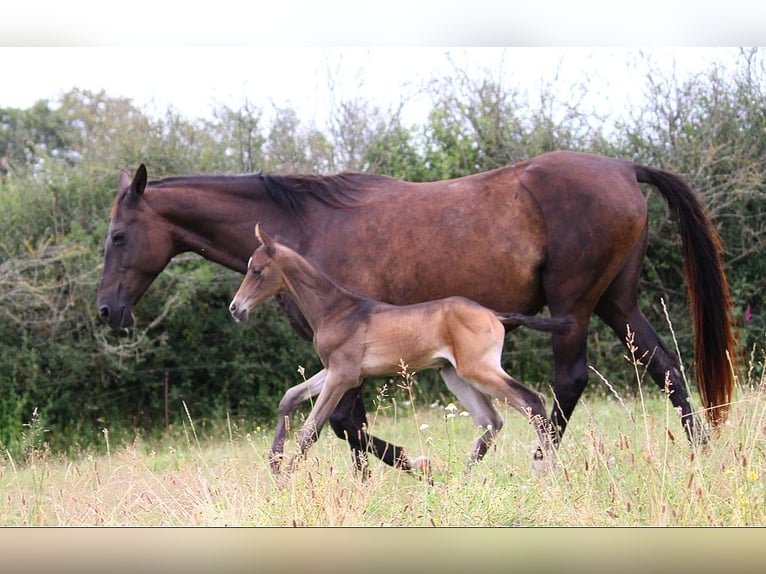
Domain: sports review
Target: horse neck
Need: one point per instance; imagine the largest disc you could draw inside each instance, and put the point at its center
(215, 218)
(317, 295)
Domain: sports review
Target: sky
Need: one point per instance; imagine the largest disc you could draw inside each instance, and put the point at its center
(393, 22)
(289, 53)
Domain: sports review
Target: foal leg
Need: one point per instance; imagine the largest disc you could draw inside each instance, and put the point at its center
(493, 380)
(336, 384)
(481, 410)
(349, 420)
(291, 401)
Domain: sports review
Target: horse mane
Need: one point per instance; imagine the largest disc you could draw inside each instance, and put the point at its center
(340, 190)
(290, 191)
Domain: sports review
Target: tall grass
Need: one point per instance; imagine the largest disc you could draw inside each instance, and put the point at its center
(624, 461)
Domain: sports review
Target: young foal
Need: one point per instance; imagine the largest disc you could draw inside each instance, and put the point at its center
(357, 337)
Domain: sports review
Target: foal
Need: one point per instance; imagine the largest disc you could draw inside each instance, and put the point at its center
(356, 337)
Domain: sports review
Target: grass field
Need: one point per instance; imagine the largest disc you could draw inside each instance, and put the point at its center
(623, 462)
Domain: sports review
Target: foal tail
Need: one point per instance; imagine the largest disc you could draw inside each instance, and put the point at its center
(559, 325)
(708, 292)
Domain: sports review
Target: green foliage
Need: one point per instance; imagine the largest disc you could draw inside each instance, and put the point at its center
(712, 129)
(58, 176)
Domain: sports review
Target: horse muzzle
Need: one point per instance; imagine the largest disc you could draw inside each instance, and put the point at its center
(116, 317)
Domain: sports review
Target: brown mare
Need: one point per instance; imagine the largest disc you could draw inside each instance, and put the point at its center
(356, 338)
(567, 230)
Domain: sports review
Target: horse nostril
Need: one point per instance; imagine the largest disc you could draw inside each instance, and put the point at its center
(103, 312)
(232, 307)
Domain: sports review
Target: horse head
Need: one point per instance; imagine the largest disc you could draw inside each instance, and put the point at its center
(136, 250)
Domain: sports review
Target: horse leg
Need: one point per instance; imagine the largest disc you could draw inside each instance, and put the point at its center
(649, 350)
(349, 422)
(619, 309)
(290, 401)
(479, 406)
(569, 377)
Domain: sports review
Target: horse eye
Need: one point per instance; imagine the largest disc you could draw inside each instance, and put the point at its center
(118, 238)
(256, 272)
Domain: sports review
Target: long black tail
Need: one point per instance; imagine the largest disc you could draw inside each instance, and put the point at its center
(549, 324)
(709, 295)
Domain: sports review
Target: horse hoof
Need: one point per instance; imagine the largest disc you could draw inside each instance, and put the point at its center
(275, 461)
(364, 473)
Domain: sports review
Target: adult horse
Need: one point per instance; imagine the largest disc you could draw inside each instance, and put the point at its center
(565, 229)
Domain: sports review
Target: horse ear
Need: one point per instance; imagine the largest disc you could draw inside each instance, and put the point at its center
(124, 179)
(139, 180)
(265, 240)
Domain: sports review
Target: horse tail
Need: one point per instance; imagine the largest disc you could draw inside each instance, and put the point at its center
(708, 292)
(549, 324)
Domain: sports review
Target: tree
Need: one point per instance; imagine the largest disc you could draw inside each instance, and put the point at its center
(239, 133)
(712, 129)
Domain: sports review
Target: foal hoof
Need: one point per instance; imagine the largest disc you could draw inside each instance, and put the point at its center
(421, 466)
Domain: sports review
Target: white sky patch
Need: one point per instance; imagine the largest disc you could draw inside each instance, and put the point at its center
(196, 80)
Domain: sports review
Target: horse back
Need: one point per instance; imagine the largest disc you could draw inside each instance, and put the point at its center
(481, 236)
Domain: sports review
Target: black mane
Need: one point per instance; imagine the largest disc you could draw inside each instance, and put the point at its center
(290, 191)
(341, 190)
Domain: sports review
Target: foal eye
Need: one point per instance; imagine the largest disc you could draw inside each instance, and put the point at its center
(118, 238)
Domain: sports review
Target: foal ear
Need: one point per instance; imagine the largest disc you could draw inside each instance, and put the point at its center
(265, 240)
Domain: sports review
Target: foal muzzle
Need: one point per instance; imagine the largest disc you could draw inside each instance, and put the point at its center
(239, 312)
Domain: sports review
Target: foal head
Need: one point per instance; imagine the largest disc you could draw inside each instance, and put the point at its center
(262, 278)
